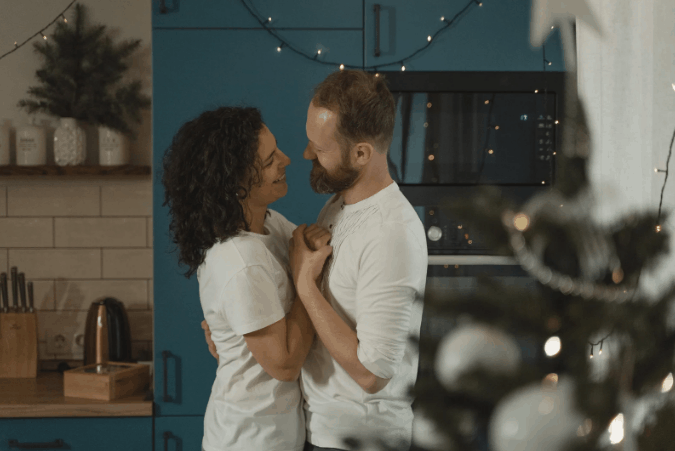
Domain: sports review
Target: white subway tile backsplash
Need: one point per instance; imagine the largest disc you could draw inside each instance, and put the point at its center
(47, 200)
(127, 199)
(26, 232)
(127, 263)
(149, 232)
(79, 294)
(3, 261)
(57, 263)
(100, 232)
(43, 293)
(3, 201)
(151, 294)
(140, 323)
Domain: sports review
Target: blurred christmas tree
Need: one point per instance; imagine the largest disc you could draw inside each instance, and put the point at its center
(475, 384)
(82, 77)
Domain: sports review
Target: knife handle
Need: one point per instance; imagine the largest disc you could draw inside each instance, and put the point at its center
(15, 289)
(22, 290)
(3, 292)
(30, 297)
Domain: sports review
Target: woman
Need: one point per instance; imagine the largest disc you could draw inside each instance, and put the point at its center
(221, 172)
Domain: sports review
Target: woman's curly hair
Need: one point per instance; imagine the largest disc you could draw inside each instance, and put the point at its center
(209, 169)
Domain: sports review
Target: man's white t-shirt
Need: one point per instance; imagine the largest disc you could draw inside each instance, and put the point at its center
(375, 281)
(245, 285)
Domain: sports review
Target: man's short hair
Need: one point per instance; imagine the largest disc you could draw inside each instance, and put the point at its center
(364, 105)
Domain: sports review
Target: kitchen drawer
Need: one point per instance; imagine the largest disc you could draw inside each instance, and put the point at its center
(78, 434)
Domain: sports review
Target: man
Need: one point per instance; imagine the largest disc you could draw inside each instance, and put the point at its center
(356, 376)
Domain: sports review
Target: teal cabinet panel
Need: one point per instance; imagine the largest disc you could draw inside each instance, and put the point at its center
(77, 434)
(492, 37)
(196, 70)
(233, 14)
(179, 433)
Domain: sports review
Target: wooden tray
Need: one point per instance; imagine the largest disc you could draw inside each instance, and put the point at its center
(107, 381)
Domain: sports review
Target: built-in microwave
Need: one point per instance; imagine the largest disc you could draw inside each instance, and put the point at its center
(456, 131)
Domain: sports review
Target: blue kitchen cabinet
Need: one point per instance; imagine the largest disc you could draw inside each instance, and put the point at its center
(492, 37)
(233, 14)
(77, 434)
(179, 433)
(196, 70)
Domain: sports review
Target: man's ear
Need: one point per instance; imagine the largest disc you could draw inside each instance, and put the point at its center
(362, 153)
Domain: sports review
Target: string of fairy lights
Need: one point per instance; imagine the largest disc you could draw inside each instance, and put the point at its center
(41, 32)
(318, 56)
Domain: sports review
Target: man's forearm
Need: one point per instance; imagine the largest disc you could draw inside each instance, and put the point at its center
(340, 340)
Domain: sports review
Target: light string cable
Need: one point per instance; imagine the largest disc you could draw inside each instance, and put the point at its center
(17, 46)
(314, 57)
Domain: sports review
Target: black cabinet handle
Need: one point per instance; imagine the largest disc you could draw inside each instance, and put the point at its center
(376, 7)
(58, 443)
(167, 435)
(165, 358)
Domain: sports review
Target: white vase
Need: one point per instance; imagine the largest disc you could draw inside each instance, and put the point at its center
(69, 143)
(113, 147)
(4, 142)
(31, 145)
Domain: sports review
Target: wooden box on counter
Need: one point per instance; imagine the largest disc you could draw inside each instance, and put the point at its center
(107, 381)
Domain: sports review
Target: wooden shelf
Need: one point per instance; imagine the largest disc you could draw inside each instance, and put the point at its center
(76, 171)
(43, 397)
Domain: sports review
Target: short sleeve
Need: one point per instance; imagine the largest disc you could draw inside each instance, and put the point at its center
(392, 274)
(250, 300)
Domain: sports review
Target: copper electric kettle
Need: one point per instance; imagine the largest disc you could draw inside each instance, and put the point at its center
(107, 337)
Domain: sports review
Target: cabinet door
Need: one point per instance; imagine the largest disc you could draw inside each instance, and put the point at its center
(194, 71)
(233, 14)
(77, 434)
(492, 37)
(179, 433)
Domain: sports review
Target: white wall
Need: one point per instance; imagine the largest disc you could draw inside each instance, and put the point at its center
(625, 80)
(128, 19)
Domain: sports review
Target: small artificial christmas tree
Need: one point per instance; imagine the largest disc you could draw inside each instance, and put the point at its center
(82, 77)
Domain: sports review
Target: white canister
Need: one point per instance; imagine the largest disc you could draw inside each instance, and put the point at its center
(113, 147)
(31, 145)
(4, 142)
(69, 143)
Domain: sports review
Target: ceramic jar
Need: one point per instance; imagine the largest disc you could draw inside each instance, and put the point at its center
(113, 147)
(31, 145)
(69, 143)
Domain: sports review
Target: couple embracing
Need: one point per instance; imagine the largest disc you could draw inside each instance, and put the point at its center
(310, 325)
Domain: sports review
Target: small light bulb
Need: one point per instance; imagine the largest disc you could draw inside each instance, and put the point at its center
(64, 19)
(496, 127)
(442, 18)
(377, 75)
(318, 52)
(480, 4)
(552, 346)
(487, 101)
(44, 37)
(557, 122)
(431, 158)
(554, 153)
(543, 182)
(536, 91)
(269, 19)
(459, 226)
(342, 67)
(16, 44)
(521, 222)
(278, 49)
(470, 242)
(429, 105)
(402, 68)
(429, 38)
(491, 151)
(552, 27)
(549, 63)
(658, 228)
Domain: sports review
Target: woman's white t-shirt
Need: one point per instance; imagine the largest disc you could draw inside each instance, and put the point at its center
(245, 285)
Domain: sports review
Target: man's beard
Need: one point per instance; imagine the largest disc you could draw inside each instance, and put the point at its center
(324, 183)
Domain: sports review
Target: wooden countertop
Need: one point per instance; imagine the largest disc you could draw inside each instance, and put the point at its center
(43, 397)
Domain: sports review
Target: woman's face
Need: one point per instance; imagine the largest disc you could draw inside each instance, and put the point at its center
(273, 184)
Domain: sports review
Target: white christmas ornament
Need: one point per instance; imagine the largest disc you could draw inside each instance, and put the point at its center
(536, 417)
(425, 434)
(473, 346)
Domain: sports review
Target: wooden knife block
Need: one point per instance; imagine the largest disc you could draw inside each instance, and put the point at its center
(18, 345)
